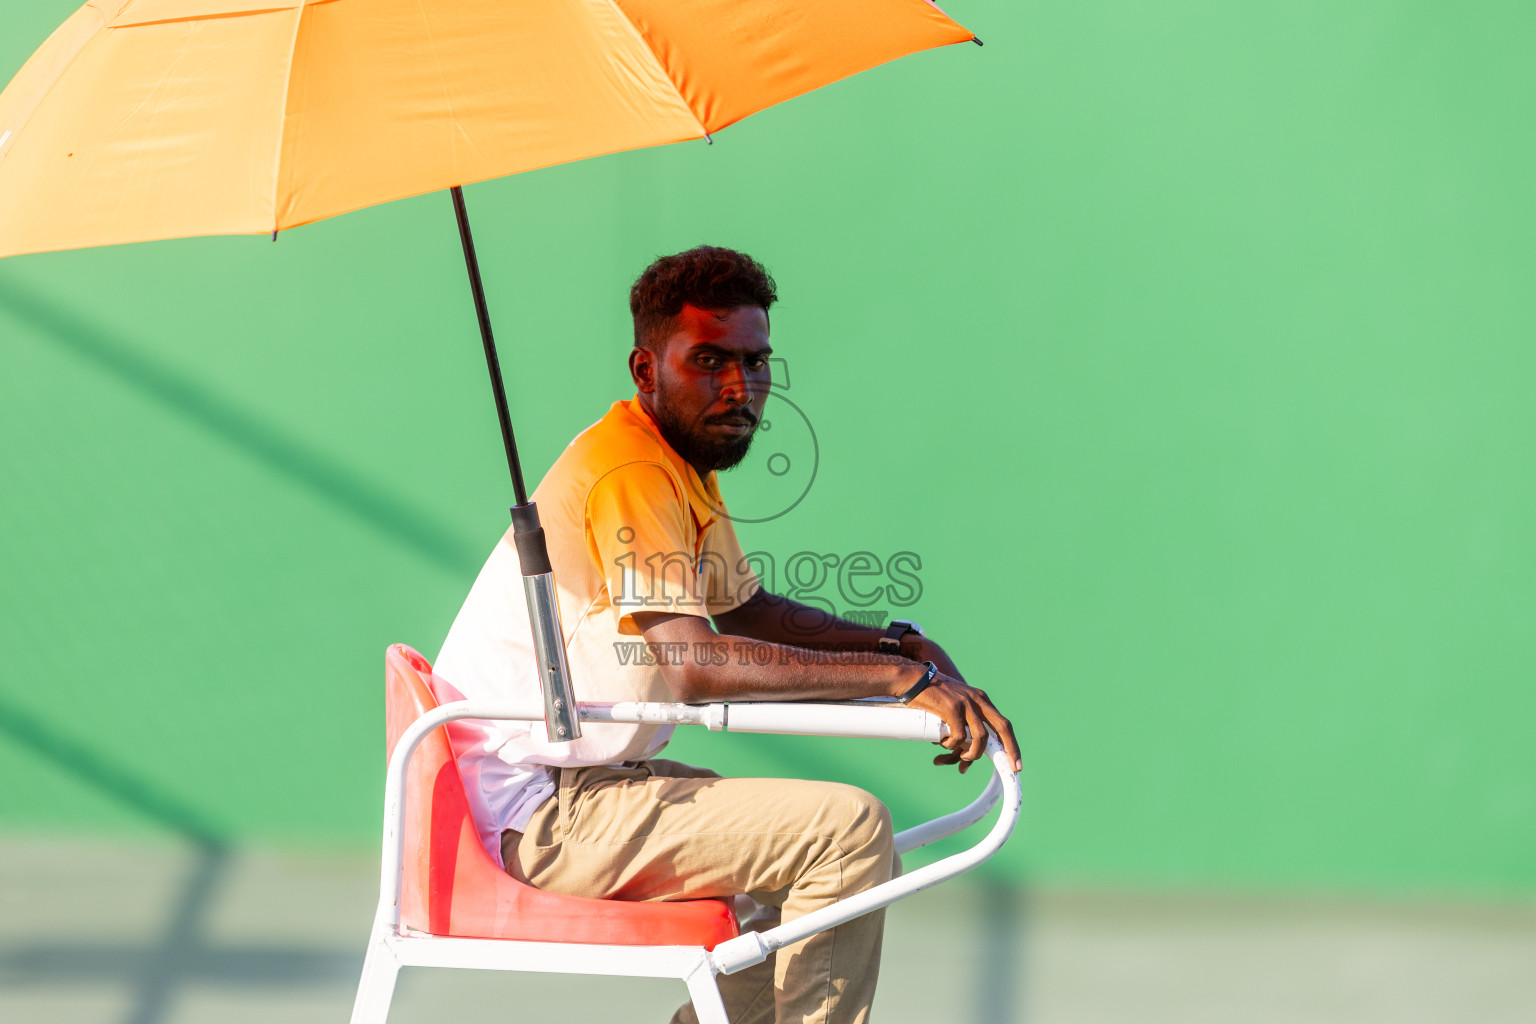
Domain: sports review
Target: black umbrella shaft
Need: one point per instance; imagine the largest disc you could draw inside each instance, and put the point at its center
(493, 364)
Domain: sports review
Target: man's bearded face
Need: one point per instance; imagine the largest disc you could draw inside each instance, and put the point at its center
(700, 441)
(712, 379)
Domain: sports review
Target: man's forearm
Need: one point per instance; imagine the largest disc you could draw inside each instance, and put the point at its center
(783, 620)
(764, 670)
(758, 669)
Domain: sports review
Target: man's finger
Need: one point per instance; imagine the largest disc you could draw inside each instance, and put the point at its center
(954, 718)
(966, 730)
(977, 724)
(1004, 730)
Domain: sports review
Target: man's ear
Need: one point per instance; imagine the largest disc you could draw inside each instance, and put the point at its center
(642, 367)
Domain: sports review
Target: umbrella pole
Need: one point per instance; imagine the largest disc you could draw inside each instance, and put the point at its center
(560, 719)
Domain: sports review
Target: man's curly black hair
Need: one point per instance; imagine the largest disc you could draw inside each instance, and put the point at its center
(706, 276)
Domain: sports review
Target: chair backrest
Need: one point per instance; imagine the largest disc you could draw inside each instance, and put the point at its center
(437, 813)
(449, 884)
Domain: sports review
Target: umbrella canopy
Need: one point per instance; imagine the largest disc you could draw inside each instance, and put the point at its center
(146, 119)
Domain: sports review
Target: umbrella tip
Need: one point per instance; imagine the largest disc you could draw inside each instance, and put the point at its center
(977, 41)
(274, 234)
(708, 139)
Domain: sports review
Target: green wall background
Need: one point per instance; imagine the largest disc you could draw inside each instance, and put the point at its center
(1188, 344)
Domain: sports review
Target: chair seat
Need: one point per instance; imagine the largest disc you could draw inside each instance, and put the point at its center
(452, 887)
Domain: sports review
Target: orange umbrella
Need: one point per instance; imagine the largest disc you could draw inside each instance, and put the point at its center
(146, 119)
(143, 119)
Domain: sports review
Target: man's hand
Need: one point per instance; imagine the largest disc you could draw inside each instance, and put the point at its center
(925, 649)
(970, 714)
(967, 711)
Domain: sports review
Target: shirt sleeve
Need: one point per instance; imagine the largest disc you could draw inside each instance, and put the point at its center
(641, 534)
(728, 578)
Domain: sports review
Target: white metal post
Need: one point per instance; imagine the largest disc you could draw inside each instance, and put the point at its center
(704, 990)
(376, 990)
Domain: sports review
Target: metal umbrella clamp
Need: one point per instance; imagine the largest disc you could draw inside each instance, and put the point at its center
(152, 119)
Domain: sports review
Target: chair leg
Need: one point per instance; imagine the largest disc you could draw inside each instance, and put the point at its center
(705, 993)
(376, 988)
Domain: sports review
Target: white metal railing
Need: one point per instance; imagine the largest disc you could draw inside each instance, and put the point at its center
(855, 719)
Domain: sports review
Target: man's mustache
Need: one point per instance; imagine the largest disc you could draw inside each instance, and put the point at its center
(743, 418)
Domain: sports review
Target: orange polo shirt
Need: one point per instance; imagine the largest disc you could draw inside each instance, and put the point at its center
(630, 527)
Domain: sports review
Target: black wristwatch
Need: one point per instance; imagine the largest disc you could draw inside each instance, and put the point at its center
(891, 642)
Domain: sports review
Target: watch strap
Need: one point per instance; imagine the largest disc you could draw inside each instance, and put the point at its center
(890, 643)
(922, 684)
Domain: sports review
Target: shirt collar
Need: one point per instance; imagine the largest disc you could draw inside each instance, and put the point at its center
(704, 498)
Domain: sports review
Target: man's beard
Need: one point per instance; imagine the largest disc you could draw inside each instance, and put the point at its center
(696, 446)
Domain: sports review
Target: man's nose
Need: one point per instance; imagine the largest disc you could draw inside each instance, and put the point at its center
(734, 389)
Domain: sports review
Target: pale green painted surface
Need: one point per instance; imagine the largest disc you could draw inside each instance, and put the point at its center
(1188, 344)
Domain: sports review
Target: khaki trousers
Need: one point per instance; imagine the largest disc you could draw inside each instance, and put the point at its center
(661, 830)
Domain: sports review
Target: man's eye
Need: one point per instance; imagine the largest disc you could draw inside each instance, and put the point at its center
(756, 363)
(709, 362)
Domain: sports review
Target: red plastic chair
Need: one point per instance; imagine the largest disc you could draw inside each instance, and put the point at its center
(443, 902)
(450, 888)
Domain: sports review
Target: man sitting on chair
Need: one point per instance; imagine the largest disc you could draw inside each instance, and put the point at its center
(642, 546)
